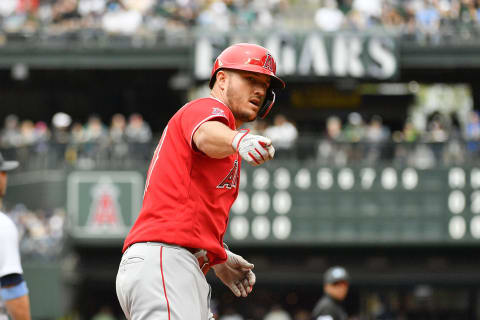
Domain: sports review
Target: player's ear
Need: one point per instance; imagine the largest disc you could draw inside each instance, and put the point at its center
(221, 81)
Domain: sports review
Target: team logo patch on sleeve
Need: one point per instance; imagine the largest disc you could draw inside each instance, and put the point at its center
(218, 112)
(230, 181)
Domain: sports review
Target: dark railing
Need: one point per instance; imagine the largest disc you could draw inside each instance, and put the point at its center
(458, 34)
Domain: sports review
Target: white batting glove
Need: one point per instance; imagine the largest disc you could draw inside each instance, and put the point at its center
(253, 148)
(236, 273)
(210, 315)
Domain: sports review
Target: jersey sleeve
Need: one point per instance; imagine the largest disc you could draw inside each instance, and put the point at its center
(198, 113)
(9, 250)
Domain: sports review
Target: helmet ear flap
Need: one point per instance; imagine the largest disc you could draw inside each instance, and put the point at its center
(267, 104)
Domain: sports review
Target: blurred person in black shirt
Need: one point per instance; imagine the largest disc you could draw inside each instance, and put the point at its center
(335, 286)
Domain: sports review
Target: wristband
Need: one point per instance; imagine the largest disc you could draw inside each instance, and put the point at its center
(238, 138)
(11, 279)
(14, 292)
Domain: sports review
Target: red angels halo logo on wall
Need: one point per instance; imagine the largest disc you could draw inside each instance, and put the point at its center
(269, 63)
(105, 209)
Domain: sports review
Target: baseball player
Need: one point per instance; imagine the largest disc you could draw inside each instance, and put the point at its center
(335, 287)
(191, 184)
(14, 299)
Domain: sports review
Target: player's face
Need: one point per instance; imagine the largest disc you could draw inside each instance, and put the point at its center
(246, 93)
(338, 290)
(3, 183)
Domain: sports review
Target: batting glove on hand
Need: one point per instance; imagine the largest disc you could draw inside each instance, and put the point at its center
(254, 149)
(236, 273)
(210, 315)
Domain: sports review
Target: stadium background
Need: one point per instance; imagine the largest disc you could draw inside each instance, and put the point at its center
(382, 177)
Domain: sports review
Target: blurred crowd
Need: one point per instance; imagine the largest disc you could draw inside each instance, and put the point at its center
(352, 139)
(361, 140)
(67, 142)
(40, 232)
(135, 17)
(151, 19)
(444, 141)
(425, 20)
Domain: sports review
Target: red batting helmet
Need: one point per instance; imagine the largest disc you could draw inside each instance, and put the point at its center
(253, 58)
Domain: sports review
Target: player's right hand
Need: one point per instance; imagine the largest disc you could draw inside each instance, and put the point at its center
(252, 148)
(236, 273)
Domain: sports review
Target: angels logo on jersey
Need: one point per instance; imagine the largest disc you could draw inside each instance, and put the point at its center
(230, 181)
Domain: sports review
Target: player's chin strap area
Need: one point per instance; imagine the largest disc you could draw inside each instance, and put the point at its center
(267, 104)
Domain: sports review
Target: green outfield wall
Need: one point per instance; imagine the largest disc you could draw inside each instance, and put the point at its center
(284, 202)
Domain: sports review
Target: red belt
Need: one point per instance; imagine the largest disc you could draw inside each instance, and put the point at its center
(202, 258)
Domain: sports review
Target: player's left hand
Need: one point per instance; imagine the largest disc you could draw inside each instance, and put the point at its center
(236, 273)
(253, 148)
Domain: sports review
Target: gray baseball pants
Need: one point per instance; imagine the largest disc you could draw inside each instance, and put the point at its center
(162, 282)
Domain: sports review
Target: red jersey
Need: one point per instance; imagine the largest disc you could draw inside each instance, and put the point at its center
(188, 195)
